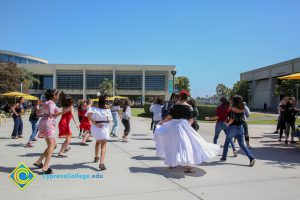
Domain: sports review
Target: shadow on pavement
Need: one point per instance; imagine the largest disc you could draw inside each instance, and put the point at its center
(16, 145)
(75, 166)
(145, 158)
(148, 148)
(176, 173)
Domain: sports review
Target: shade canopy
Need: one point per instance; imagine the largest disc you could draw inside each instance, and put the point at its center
(110, 98)
(19, 94)
(295, 76)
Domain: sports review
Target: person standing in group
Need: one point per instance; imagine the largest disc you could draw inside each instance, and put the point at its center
(175, 97)
(17, 110)
(85, 124)
(80, 115)
(221, 116)
(245, 125)
(195, 113)
(281, 121)
(126, 116)
(280, 117)
(290, 113)
(115, 111)
(67, 103)
(100, 118)
(151, 115)
(156, 110)
(236, 129)
(48, 112)
(177, 142)
(33, 118)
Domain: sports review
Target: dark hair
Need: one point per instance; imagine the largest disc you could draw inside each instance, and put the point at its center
(19, 99)
(126, 104)
(237, 102)
(175, 95)
(102, 100)
(224, 101)
(116, 102)
(49, 94)
(184, 96)
(192, 102)
(66, 101)
(158, 100)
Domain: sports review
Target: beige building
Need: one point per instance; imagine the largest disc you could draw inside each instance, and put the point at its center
(83, 80)
(262, 82)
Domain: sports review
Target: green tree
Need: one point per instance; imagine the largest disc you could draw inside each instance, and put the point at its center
(107, 85)
(286, 87)
(222, 91)
(240, 88)
(183, 83)
(10, 76)
(29, 80)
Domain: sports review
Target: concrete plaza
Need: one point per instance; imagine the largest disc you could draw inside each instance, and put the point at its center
(134, 172)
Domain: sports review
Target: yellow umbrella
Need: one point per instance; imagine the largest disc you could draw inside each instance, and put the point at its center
(111, 98)
(19, 94)
(295, 76)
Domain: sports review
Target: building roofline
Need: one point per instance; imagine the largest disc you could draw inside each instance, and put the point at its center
(24, 56)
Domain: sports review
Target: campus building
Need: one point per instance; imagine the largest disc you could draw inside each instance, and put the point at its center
(19, 58)
(138, 82)
(262, 82)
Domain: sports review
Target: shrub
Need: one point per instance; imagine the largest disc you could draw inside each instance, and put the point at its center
(206, 111)
(147, 110)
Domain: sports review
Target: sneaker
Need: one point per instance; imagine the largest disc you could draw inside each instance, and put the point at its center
(276, 132)
(20, 136)
(252, 163)
(84, 144)
(14, 137)
(235, 154)
(34, 139)
(293, 142)
(114, 136)
(222, 159)
(286, 142)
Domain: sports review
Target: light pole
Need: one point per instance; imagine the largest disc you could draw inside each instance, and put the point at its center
(297, 85)
(173, 74)
(22, 80)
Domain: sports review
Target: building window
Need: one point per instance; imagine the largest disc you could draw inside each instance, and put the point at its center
(129, 80)
(155, 82)
(95, 78)
(69, 79)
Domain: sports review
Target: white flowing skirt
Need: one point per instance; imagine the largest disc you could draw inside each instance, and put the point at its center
(100, 133)
(179, 144)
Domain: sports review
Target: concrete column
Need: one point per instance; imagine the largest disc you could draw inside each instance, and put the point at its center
(143, 88)
(114, 82)
(54, 77)
(84, 83)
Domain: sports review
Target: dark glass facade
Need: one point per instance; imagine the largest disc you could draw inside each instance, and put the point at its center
(71, 79)
(95, 78)
(46, 82)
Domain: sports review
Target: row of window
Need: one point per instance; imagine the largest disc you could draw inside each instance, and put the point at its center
(17, 59)
(93, 81)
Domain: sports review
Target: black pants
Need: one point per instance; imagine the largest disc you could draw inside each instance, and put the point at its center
(289, 125)
(80, 118)
(126, 124)
(282, 126)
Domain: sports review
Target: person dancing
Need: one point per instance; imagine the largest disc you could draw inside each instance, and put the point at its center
(126, 116)
(85, 124)
(177, 142)
(115, 111)
(67, 103)
(236, 129)
(100, 118)
(48, 112)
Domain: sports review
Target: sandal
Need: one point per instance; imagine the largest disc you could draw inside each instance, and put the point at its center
(96, 159)
(39, 166)
(67, 150)
(48, 171)
(102, 167)
(89, 140)
(189, 170)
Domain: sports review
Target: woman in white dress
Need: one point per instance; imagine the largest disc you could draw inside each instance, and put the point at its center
(100, 117)
(176, 140)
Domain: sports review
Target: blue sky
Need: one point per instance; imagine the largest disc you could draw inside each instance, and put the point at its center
(209, 41)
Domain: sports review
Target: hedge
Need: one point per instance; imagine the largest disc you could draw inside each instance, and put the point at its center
(204, 111)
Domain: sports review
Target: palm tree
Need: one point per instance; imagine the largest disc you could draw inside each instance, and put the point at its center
(29, 78)
(107, 85)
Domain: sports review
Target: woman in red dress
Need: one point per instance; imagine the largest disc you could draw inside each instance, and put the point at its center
(86, 124)
(64, 124)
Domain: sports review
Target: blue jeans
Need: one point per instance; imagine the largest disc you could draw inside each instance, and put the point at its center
(18, 126)
(34, 129)
(238, 133)
(115, 126)
(220, 126)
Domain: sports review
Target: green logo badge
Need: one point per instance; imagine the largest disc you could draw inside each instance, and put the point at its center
(22, 176)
